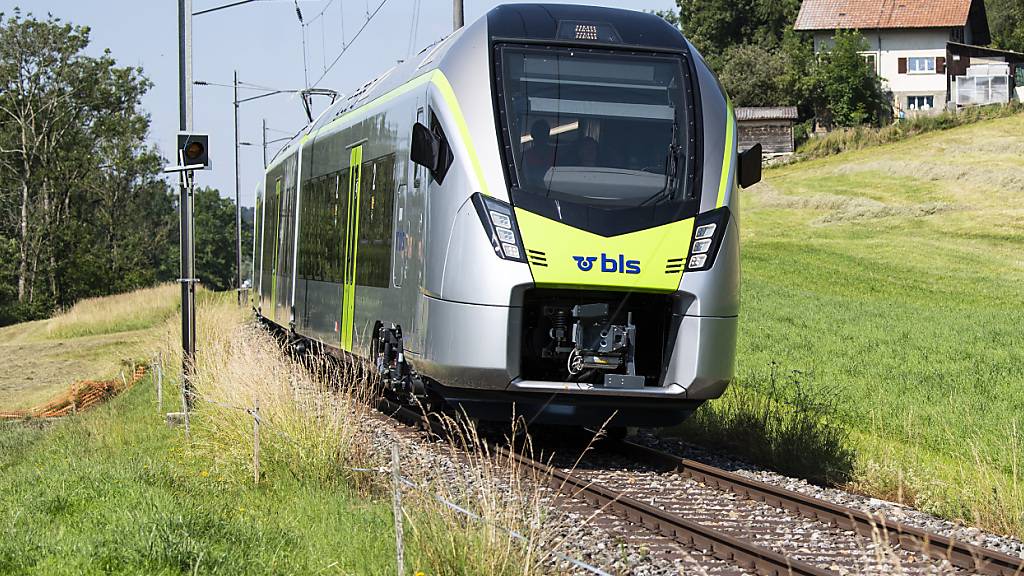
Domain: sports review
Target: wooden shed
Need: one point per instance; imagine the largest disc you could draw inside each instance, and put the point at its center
(771, 126)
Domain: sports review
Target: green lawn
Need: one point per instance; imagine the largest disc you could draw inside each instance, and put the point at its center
(116, 491)
(887, 285)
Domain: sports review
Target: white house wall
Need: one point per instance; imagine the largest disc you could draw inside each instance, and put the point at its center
(888, 46)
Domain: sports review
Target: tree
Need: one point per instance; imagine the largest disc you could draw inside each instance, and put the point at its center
(215, 239)
(713, 26)
(1006, 21)
(80, 194)
(845, 91)
(763, 74)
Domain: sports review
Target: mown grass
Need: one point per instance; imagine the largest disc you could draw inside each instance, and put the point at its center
(891, 280)
(88, 342)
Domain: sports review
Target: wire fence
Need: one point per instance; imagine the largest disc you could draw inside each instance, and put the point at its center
(398, 481)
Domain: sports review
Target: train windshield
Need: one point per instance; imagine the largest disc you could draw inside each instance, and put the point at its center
(592, 127)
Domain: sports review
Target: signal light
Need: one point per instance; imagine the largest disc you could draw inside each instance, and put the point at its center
(195, 149)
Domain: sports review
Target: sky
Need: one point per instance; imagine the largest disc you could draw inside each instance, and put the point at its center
(263, 41)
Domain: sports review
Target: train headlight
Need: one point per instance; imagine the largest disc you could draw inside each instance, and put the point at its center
(708, 231)
(501, 220)
(701, 246)
(506, 235)
(499, 223)
(704, 231)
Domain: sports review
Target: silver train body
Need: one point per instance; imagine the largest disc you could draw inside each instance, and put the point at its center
(537, 215)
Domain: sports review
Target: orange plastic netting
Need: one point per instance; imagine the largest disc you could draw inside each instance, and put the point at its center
(79, 396)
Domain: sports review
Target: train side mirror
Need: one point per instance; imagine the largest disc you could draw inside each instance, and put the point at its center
(748, 169)
(426, 147)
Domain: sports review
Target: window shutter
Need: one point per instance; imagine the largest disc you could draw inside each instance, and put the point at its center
(902, 66)
(940, 65)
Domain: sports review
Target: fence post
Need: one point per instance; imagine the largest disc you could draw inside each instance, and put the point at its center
(159, 384)
(397, 485)
(256, 443)
(184, 409)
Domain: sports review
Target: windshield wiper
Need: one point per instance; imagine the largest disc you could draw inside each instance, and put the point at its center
(671, 168)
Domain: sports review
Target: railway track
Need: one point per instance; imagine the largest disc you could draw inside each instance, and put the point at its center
(752, 526)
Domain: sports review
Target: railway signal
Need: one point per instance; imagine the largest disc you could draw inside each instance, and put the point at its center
(195, 149)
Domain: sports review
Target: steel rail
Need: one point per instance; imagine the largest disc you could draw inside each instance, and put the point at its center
(960, 554)
(718, 544)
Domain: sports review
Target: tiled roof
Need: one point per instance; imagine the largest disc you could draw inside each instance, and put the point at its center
(881, 14)
(768, 113)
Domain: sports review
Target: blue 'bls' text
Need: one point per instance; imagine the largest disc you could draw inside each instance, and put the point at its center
(609, 265)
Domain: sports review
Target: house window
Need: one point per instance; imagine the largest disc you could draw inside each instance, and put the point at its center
(921, 65)
(870, 60)
(920, 102)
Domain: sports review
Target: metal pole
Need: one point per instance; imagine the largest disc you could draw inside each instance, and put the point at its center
(188, 325)
(458, 20)
(238, 207)
(264, 143)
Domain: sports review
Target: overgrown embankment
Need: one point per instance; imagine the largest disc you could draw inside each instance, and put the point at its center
(880, 342)
(114, 490)
(849, 139)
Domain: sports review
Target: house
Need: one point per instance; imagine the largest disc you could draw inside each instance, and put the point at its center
(772, 127)
(907, 42)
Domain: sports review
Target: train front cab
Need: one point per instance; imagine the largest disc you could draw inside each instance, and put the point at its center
(621, 170)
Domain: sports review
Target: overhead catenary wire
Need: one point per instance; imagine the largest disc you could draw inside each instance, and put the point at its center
(245, 86)
(354, 38)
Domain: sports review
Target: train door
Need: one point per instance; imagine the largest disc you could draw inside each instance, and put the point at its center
(351, 240)
(404, 230)
(256, 286)
(277, 243)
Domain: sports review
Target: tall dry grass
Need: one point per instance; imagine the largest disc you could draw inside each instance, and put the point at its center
(116, 313)
(513, 529)
(310, 413)
(316, 427)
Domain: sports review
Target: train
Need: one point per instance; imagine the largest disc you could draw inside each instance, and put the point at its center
(537, 216)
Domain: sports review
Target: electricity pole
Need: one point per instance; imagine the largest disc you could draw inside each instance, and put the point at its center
(187, 280)
(264, 143)
(238, 207)
(458, 21)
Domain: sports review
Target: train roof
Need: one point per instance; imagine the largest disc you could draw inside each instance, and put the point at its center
(591, 24)
(568, 23)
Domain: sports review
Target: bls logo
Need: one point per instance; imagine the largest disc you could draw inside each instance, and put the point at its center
(610, 265)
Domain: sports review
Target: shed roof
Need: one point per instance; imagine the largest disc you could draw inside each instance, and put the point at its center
(766, 113)
(882, 14)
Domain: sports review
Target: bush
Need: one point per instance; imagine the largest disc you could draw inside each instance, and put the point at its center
(847, 139)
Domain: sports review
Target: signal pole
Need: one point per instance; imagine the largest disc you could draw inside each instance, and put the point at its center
(238, 207)
(458, 20)
(187, 280)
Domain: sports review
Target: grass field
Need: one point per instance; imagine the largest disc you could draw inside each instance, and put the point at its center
(883, 316)
(86, 342)
(114, 490)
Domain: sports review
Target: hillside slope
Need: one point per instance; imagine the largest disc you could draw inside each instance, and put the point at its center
(888, 283)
